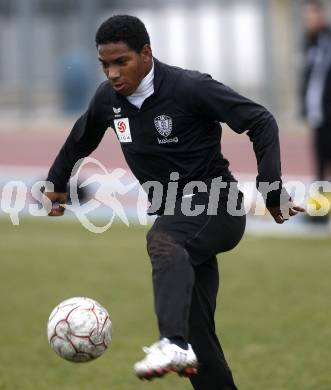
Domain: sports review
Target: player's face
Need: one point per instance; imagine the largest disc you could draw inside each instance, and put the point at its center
(124, 67)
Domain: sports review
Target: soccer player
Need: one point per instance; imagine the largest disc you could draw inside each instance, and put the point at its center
(167, 120)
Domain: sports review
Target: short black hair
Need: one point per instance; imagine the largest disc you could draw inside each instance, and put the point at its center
(123, 28)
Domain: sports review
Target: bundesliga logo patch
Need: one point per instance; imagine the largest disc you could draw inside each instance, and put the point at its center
(122, 128)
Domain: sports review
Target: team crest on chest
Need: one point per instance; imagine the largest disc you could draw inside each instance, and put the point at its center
(163, 124)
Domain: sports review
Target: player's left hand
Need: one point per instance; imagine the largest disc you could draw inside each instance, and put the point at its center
(283, 213)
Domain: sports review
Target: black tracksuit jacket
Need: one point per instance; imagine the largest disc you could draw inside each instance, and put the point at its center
(177, 129)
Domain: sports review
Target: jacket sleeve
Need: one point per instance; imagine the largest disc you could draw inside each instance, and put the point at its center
(221, 103)
(83, 139)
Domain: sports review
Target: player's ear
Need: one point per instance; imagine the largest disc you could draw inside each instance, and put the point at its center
(146, 53)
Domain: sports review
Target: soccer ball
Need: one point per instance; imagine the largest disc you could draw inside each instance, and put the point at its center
(79, 329)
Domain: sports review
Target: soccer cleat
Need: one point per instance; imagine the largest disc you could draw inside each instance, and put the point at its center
(163, 357)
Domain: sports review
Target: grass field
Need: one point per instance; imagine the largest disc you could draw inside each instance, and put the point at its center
(273, 314)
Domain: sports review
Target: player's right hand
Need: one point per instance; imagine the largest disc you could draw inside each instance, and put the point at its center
(58, 200)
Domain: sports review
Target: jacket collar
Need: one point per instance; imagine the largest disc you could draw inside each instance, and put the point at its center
(158, 75)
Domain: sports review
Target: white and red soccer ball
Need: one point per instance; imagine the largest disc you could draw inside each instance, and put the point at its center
(79, 329)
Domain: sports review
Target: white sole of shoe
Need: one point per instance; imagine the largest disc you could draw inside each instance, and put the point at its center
(161, 372)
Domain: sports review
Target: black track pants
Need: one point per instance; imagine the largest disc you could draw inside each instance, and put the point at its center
(185, 280)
